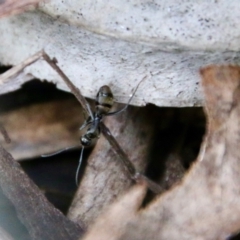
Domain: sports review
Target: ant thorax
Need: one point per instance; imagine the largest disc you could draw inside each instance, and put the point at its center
(93, 130)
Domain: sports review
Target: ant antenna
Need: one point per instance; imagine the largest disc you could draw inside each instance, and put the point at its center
(60, 151)
(85, 125)
(130, 99)
(79, 165)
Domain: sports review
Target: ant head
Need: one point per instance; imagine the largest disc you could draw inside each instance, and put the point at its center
(104, 100)
(86, 142)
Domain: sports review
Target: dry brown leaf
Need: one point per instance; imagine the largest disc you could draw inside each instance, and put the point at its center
(42, 128)
(115, 218)
(206, 204)
(11, 7)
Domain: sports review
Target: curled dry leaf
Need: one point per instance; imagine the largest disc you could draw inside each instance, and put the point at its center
(206, 204)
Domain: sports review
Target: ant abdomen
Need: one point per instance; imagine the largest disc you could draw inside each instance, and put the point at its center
(104, 100)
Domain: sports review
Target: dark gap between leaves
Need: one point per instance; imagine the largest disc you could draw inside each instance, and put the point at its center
(177, 138)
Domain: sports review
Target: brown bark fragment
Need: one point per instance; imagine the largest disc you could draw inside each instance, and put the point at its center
(42, 220)
(105, 227)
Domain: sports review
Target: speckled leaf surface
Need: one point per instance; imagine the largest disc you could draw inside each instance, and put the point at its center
(120, 42)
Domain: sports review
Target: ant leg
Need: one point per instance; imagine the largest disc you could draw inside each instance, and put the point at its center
(85, 124)
(60, 151)
(90, 111)
(79, 165)
(130, 99)
(88, 122)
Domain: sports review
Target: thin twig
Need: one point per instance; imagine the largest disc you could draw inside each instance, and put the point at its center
(75, 91)
(128, 166)
(19, 68)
